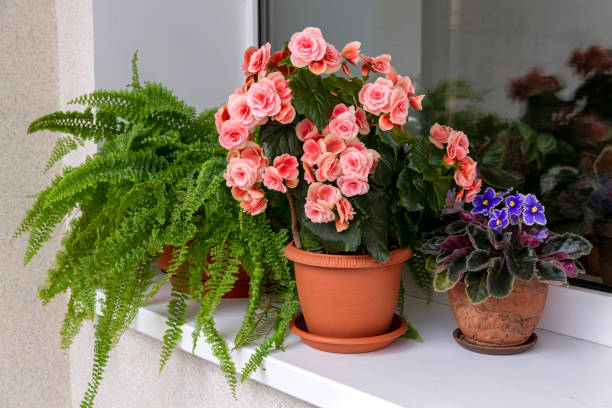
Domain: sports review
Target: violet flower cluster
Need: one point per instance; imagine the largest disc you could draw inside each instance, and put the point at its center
(517, 208)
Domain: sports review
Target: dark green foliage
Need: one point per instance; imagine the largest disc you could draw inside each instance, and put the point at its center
(156, 181)
(477, 260)
(572, 245)
(476, 287)
(521, 263)
(549, 272)
(312, 97)
(499, 280)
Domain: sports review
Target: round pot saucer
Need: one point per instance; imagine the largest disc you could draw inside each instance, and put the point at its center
(351, 345)
(493, 349)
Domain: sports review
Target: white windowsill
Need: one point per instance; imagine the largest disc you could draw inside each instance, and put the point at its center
(560, 371)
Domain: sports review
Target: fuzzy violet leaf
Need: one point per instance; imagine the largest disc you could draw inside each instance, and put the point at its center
(499, 279)
(478, 237)
(521, 263)
(456, 269)
(551, 273)
(498, 240)
(478, 260)
(442, 283)
(566, 246)
(455, 228)
(476, 287)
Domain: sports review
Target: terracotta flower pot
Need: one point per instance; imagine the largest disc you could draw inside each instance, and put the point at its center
(502, 322)
(347, 296)
(240, 289)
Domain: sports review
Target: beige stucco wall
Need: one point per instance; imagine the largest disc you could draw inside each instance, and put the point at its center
(34, 371)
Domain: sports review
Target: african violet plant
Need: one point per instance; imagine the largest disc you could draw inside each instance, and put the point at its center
(503, 238)
(156, 181)
(355, 180)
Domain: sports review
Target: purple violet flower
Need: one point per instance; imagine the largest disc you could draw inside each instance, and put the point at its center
(515, 203)
(533, 211)
(451, 205)
(486, 202)
(539, 234)
(498, 219)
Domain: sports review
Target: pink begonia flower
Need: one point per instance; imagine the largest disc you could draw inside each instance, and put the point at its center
(292, 183)
(375, 96)
(317, 213)
(246, 59)
(234, 135)
(366, 59)
(338, 110)
(232, 154)
(353, 185)
(263, 99)
(273, 180)
(332, 58)
(450, 161)
(312, 151)
(351, 52)
(393, 76)
(406, 84)
(365, 70)
(308, 173)
(416, 102)
(245, 86)
(238, 193)
(382, 63)
(239, 110)
(332, 144)
(399, 106)
(241, 173)
(253, 152)
(307, 46)
(473, 191)
(458, 145)
(254, 202)
(352, 161)
(373, 156)
(328, 167)
(258, 63)
(438, 135)
(364, 126)
(346, 70)
(466, 173)
(282, 86)
(324, 194)
(345, 125)
(384, 122)
(317, 67)
(356, 143)
(287, 166)
(345, 214)
(305, 128)
(286, 114)
(221, 116)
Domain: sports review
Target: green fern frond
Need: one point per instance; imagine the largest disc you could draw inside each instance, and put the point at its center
(82, 125)
(177, 309)
(422, 277)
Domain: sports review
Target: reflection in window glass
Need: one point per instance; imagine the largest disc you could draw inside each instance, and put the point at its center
(530, 82)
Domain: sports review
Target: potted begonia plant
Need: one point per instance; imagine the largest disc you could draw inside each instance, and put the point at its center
(355, 180)
(496, 262)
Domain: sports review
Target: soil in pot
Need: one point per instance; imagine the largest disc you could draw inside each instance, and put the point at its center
(503, 322)
(240, 289)
(347, 296)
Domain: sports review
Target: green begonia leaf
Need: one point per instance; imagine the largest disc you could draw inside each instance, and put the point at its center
(426, 159)
(278, 139)
(334, 241)
(312, 97)
(374, 229)
(412, 194)
(499, 280)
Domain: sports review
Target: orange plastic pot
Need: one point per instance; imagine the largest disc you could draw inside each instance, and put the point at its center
(240, 289)
(347, 296)
(508, 321)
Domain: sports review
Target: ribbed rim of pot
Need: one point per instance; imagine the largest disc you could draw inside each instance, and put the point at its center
(344, 261)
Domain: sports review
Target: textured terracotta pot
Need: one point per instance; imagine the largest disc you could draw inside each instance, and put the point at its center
(507, 321)
(240, 289)
(347, 295)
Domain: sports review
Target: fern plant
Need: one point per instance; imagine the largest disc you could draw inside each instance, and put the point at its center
(156, 180)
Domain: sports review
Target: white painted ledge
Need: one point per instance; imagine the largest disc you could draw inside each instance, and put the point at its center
(560, 371)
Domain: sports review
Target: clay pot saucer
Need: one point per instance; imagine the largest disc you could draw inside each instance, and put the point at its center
(502, 350)
(351, 345)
